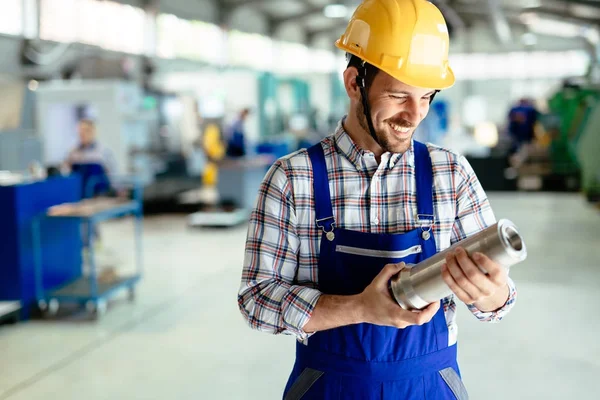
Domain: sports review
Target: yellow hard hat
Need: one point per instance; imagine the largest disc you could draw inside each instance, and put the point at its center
(408, 39)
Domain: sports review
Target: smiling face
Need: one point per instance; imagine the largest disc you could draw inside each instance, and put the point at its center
(87, 132)
(396, 111)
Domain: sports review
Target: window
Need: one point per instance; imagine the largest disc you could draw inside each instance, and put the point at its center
(11, 17)
(519, 65)
(196, 40)
(250, 50)
(106, 24)
(290, 58)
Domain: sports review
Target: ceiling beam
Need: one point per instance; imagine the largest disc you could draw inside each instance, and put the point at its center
(589, 3)
(339, 25)
(239, 3)
(307, 13)
(515, 12)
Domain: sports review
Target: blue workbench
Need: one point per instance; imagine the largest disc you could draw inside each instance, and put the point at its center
(19, 205)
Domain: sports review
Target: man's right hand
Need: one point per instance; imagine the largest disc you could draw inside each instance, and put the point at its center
(379, 308)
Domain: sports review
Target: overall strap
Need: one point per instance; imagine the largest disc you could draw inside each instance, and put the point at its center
(323, 208)
(424, 179)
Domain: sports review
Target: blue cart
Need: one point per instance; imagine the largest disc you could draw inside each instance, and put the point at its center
(88, 291)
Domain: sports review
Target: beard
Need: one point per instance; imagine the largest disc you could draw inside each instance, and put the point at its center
(386, 140)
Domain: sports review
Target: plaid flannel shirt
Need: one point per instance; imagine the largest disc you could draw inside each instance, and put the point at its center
(279, 284)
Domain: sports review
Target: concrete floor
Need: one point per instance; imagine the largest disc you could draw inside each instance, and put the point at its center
(184, 338)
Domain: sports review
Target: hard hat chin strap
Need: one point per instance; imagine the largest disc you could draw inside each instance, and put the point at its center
(361, 82)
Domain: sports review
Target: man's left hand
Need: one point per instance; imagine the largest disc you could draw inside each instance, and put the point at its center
(465, 277)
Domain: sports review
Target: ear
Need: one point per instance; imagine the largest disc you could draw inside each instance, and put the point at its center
(350, 84)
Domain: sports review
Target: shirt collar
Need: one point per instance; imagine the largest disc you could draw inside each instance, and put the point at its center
(358, 156)
(89, 146)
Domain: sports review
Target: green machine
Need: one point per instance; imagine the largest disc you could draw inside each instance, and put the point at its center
(575, 147)
(272, 116)
(588, 154)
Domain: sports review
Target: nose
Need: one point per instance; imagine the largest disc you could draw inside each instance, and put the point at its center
(413, 111)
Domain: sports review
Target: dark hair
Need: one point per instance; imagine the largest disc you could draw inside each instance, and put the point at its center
(372, 71)
(88, 121)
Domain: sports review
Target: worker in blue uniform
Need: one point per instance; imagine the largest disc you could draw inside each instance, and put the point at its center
(93, 161)
(334, 223)
(236, 136)
(95, 164)
(522, 119)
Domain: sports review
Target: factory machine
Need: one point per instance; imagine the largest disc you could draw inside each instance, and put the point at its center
(575, 139)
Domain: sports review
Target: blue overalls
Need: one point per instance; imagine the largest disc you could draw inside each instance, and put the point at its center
(366, 361)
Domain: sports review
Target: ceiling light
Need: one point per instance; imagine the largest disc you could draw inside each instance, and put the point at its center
(335, 11)
(551, 26)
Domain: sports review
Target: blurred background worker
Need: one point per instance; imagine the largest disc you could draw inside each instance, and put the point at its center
(236, 135)
(94, 162)
(96, 165)
(522, 120)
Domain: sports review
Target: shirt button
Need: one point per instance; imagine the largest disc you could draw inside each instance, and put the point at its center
(376, 221)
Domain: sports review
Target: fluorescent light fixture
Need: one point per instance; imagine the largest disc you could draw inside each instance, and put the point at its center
(335, 11)
(550, 26)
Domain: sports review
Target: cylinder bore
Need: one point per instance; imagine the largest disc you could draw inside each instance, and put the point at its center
(513, 238)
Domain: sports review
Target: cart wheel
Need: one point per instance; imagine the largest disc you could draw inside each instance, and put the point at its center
(97, 309)
(90, 306)
(42, 305)
(53, 307)
(101, 307)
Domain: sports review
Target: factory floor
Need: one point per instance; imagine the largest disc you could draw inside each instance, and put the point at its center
(183, 337)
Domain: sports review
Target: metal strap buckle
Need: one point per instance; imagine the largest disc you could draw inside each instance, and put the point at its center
(325, 219)
(425, 220)
(329, 234)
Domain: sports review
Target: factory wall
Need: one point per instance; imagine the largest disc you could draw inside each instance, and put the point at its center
(492, 96)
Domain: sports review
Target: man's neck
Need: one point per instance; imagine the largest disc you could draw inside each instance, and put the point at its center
(361, 137)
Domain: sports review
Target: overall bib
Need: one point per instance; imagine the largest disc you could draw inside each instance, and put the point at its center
(367, 361)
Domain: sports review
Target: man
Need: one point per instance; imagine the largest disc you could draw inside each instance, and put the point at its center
(96, 165)
(335, 223)
(236, 146)
(522, 119)
(92, 160)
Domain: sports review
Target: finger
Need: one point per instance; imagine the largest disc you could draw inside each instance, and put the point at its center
(428, 313)
(496, 272)
(483, 285)
(418, 317)
(387, 273)
(460, 278)
(406, 317)
(457, 290)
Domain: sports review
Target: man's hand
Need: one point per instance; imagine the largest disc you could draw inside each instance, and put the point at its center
(488, 292)
(379, 308)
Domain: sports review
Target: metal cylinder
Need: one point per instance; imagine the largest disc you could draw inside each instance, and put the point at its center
(422, 284)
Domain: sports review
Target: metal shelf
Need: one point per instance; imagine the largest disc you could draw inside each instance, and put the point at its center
(89, 290)
(81, 289)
